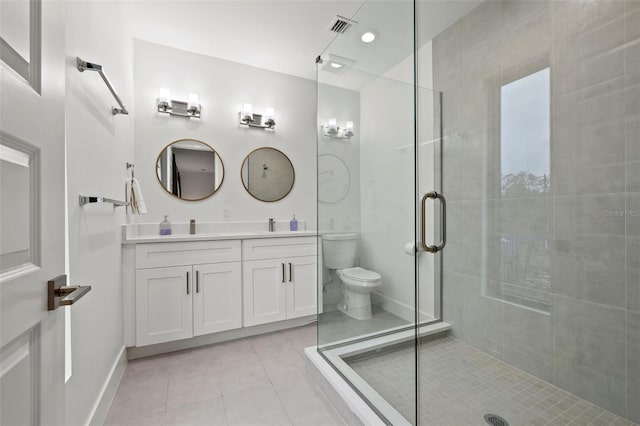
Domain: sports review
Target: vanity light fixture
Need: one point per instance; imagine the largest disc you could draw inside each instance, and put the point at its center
(250, 119)
(332, 130)
(189, 109)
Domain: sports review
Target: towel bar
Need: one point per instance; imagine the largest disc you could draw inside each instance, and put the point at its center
(88, 66)
(90, 200)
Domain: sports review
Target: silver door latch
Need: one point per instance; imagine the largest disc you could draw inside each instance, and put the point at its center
(60, 294)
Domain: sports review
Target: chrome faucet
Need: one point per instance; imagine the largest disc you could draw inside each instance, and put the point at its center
(272, 224)
(192, 226)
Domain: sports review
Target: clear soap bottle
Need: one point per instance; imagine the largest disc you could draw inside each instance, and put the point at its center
(165, 226)
(293, 224)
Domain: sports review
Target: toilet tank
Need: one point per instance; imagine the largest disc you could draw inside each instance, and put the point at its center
(339, 250)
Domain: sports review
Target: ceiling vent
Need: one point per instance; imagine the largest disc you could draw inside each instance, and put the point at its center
(341, 24)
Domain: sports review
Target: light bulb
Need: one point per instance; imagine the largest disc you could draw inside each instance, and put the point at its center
(163, 95)
(270, 114)
(247, 112)
(368, 37)
(193, 103)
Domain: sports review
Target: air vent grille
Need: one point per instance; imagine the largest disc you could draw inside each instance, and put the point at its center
(341, 25)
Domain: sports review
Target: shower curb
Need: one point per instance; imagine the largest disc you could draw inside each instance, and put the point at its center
(351, 407)
(351, 404)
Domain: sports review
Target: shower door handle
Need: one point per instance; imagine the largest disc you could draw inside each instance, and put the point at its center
(423, 222)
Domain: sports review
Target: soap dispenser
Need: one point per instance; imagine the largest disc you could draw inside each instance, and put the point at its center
(293, 224)
(165, 226)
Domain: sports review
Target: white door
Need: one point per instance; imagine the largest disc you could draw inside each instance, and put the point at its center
(164, 310)
(217, 299)
(32, 247)
(301, 286)
(264, 291)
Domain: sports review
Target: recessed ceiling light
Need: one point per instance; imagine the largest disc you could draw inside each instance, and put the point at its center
(368, 37)
(335, 64)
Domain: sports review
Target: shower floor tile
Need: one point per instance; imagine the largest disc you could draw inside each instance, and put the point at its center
(459, 385)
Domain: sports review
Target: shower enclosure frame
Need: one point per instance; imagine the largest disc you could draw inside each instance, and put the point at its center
(334, 353)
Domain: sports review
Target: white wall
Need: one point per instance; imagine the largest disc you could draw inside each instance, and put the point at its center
(98, 146)
(343, 215)
(344, 105)
(223, 86)
(387, 178)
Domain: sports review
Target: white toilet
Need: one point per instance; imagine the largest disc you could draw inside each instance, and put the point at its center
(339, 252)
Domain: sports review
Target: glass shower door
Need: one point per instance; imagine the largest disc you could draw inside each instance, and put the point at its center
(369, 192)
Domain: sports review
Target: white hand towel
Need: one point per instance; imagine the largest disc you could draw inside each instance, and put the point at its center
(136, 200)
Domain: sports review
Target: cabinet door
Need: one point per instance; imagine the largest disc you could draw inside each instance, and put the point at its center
(217, 297)
(264, 291)
(164, 309)
(302, 290)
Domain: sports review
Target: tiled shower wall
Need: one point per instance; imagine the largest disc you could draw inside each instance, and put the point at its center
(543, 271)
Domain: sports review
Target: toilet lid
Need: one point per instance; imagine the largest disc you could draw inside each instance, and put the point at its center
(361, 274)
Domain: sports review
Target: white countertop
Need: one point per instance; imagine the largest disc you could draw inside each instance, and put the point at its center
(142, 233)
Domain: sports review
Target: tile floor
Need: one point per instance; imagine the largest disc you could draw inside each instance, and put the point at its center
(255, 381)
(335, 325)
(459, 384)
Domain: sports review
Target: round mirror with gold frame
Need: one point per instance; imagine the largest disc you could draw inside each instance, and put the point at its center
(190, 170)
(267, 174)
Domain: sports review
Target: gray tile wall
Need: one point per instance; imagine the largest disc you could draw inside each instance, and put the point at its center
(547, 280)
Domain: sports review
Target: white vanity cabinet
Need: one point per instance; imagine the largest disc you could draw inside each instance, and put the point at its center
(163, 305)
(217, 301)
(177, 297)
(188, 290)
(279, 279)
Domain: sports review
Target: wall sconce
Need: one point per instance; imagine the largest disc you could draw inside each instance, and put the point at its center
(189, 109)
(331, 129)
(248, 118)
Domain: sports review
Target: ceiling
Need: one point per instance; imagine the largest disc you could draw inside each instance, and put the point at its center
(287, 36)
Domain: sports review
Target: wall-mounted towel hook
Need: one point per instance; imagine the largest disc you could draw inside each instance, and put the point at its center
(133, 169)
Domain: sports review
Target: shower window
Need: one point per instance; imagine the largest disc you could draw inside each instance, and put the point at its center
(522, 245)
(525, 125)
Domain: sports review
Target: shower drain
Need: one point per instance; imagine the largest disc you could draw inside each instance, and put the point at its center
(495, 420)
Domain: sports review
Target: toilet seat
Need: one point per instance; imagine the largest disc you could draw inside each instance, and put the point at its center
(360, 277)
(361, 274)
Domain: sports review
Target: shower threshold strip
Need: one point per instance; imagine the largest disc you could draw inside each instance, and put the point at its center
(360, 397)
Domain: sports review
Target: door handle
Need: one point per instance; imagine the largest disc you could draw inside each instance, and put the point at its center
(423, 223)
(290, 274)
(197, 281)
(187, 282)
(60, 294)
(282, 272)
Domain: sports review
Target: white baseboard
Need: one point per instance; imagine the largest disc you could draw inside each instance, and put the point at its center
(100, 410)
(135, 352)
(398, 309)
